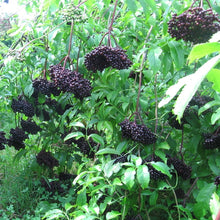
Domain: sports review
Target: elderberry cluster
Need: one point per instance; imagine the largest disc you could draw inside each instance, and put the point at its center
(103, 56)
(136, 132)
(212, 141)
(3, 140)
(200, 100)
(46, 158)
(181, 168)
(17, 138)
(217, 180)
(52, 187)
(70, 81)
(154, 174)
(30, 126)
(45, 87)
(195, 25)
(22, 106)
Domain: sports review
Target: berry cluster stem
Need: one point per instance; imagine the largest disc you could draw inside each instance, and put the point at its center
(141, 69)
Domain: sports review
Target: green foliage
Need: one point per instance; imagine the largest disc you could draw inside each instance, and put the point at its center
(112, 177)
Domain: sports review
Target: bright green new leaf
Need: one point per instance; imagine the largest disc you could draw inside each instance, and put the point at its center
(76, 134)
(153, 58)
(112, 215)
(214, 76)
(81, 198)
(77, 124)
(97, 138)
(214, 205)
(132, 5)
(215, 116)
(128, 177)
(53, 214)
(207, 106)
(201, 50)
(143, 176)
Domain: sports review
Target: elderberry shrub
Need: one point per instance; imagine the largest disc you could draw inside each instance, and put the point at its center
(136, 132)
(211, 141)
(195, 25)
(154, 174)
(17, 138)
(103, 56)
(30, 126)
(181, 168)
(70, 81)
(3, 140)
(22, 106)
(120, 159)
(46, 159)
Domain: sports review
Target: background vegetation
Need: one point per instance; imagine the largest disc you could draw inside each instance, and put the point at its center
(101, 174)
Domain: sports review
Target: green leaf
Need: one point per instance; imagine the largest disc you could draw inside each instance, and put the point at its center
(81, 198)
(28, 91)
(215, 116)
(214, 205)
(53, 214)
(205, 193)
(112, 215)
(98, 139)
(107, 151)
(192, 86)
(214, 163)
(143, 176)
(163, 145)
(153, 58)
(77, 124)
(128, 177)
(208, 105)
(177, 53)
(76, 134)
(214, 76)
(132, 5)
(153, 198)
(201, 50)
(162, 167)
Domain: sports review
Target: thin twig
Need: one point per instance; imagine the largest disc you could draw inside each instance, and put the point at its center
(189, 192)
(174, 194)
(156, 110)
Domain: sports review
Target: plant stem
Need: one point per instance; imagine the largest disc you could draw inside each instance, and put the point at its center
(181, 146)
(156, 110)
(189, 192)
(141, 69)
(174, 194)
(111, 24)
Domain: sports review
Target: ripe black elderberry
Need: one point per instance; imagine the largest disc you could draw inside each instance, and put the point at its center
(30, 126)
(120, 159)
(70, 81)
(195, 25)
(3, 140)
(154, 174)
(136, 132)
(52, 187)
(45, 87)
(217, 180)
(22, 106)
(17, 138)
(212, 141)
(46, 158)
(103, 56)
(182, 169)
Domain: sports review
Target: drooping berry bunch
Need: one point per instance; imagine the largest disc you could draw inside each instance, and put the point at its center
(217, 180)
(137, 132)
(22, 106)
(154, 174)
(195, 25)
(52, 187)
(30, 126)
(66, 176)
(181, 168)
(46, 158)
(200, 100)
(174, 123)
(70, 81)
(103, 56)
(212, 140)
(120, 159)
(45, 87)
(17, 138)
(3, 140)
